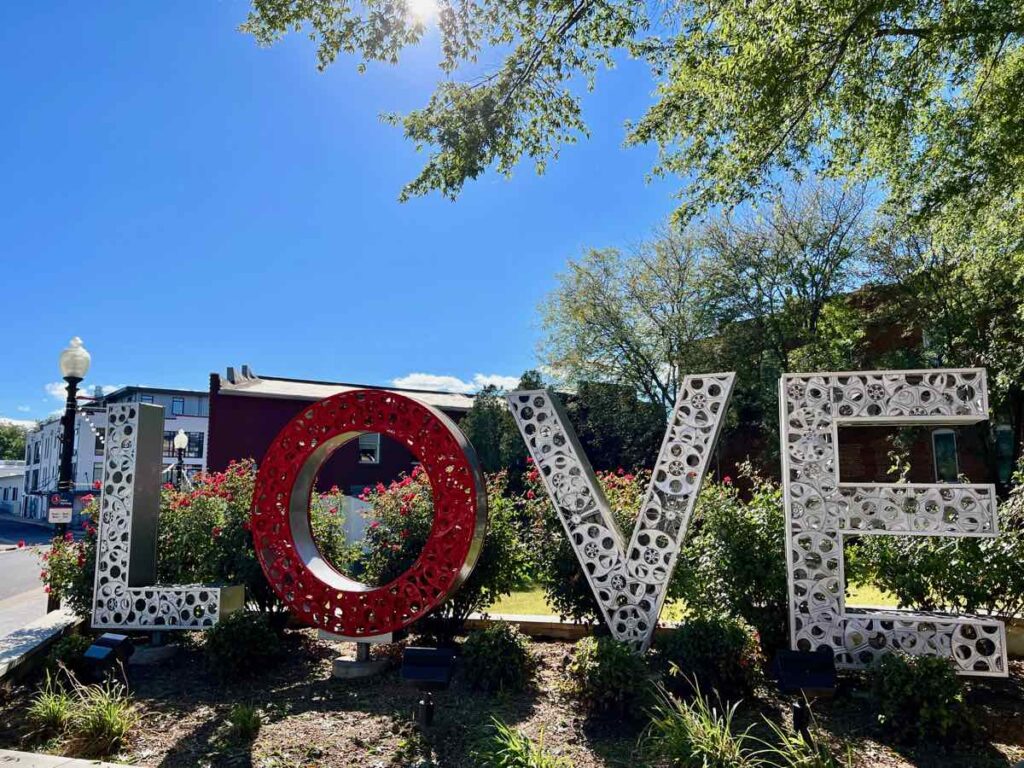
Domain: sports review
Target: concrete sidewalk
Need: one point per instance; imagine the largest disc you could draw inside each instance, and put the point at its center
(11, 759)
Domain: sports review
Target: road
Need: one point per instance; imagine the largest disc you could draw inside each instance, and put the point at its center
(22, 599)
(13, 532)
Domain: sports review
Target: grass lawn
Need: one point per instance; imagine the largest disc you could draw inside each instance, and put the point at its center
(531, 602)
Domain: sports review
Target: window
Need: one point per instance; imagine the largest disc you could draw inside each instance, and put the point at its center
(5, 494)
(97, 471)
(146, 398)
(101, 433)
(369, 448)
(947, 469)
(177, 406)
(14, 494)
(1004, 453)
(169, 444)
(36, 459)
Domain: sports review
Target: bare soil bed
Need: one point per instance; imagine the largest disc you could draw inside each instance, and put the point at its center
(311, 719)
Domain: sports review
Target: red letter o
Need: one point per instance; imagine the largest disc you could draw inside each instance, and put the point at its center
(309, 585)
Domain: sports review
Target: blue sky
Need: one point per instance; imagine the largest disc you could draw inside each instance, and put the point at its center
(184, 200)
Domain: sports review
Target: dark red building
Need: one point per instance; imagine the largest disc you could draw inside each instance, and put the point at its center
(247, 412)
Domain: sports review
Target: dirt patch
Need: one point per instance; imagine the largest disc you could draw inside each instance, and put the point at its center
(311, 719)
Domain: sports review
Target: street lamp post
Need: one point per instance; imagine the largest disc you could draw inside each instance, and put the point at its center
(74, 365)
(180, 444)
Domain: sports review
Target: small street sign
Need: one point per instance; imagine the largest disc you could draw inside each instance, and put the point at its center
(61, 507)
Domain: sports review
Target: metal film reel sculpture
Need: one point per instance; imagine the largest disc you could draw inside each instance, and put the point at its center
(311, 587)
(821, 510)
(126, 543)
(630, 583)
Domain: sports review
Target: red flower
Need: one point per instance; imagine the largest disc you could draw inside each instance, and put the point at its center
(367, 491)
(69, 536)
(404, 534)
(333, 510)
(417, 470)
(21, 543)
(727, 480)
(375, 524)
(381, 488)
(96, 485)
(46, 589)
(81, 560)
(42, 575)
(409, 497)
(534, 474)
(620, 471)
(215, 532)
(88, 499)
(529, 460)
(531, 495)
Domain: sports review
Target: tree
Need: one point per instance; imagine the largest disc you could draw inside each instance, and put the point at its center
(489, 426)
(961, 283)
(12, 441)
(780, 270)
(922, 94)
(644, 320)
(616, 428)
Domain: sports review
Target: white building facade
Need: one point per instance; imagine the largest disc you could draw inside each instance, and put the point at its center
(187, 410)
(12, 486)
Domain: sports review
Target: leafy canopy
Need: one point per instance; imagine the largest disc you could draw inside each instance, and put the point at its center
(923, 94)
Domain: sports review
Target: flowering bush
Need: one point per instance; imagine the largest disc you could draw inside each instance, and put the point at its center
(402, 516)
(555, 566)
(204, 537)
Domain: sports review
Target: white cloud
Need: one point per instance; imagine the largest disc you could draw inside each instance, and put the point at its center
(24, 423)
(432, 381)
(24, 408)
(58, 389)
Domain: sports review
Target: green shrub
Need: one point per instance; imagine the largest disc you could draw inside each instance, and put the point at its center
(734, 561)
(497, 658)
(606, 677)
(920, 697)
(721, 654)
(403, 515)
(555, 565)
(68, 652)
(51, 709)
(105, 718)
(941, 574)
(695, 734)
(244, 722)
(242, 644)
(510, 748)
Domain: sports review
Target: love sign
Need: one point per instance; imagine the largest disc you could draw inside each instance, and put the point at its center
(629, 581)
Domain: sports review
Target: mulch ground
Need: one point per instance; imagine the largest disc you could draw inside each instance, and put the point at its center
(312, 719)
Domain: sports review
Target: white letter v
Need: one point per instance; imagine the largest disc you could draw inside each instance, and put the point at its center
(629, 588)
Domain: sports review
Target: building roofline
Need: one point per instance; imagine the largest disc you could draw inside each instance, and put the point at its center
(369, 386)
(159, 390)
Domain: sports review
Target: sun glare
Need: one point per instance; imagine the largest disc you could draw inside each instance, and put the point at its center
(422, 10)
